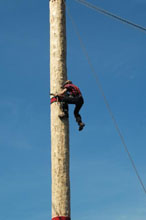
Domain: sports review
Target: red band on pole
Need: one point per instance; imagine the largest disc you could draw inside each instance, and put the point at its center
(61, 218)
(54, 99)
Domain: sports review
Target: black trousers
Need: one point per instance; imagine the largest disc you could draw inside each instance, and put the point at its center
(78, 101)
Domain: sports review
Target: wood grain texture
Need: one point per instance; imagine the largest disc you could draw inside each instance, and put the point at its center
(59, 128)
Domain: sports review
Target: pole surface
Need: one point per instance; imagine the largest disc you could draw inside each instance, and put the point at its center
(59, 128)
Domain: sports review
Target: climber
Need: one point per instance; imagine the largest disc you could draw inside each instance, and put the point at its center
(71, 95)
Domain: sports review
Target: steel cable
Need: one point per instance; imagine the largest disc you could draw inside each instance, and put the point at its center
(107, 13)
(104, 97)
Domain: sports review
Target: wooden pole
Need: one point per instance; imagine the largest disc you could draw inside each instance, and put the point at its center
(59, 128)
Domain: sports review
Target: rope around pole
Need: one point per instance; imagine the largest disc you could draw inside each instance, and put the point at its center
(104, 97)
(107, 13)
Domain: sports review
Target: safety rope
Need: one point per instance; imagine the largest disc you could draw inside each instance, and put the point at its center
(107, 13)
(104, 97)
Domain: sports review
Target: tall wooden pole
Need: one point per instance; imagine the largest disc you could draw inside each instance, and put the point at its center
(59, 128)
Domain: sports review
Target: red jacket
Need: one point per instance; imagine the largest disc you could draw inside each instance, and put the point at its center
(73, 90)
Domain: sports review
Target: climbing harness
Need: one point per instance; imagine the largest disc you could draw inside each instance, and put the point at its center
(55, 98)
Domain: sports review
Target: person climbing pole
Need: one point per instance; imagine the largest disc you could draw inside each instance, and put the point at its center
(71, 94)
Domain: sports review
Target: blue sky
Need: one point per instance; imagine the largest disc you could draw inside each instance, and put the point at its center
(103, 183)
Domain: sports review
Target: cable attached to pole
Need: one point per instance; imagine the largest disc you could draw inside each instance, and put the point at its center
(107, 13)
(104, 97)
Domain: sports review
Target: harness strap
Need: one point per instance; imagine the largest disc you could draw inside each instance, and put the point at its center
(55, 99)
